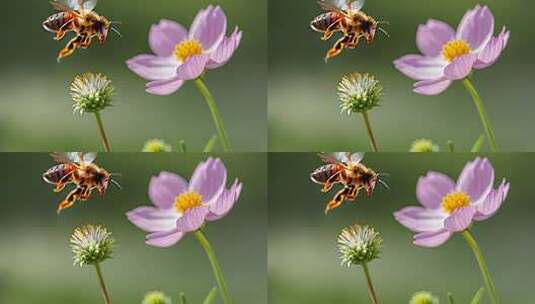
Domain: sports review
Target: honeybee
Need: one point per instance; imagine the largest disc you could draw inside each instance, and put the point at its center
(78, 16)
(78, 168)
(346, 169)
(345, 16)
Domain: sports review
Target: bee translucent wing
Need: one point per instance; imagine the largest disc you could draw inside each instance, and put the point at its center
(89, 157)
(343, 157)
(62, 7)
(357, 157)
(329, 159)
(356, 5)
(89, 5)
(61, 158)
(74, 4)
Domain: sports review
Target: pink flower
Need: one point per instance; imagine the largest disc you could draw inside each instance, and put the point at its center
(181, 207)
(449, 207)
(180, 55)
(449, 55)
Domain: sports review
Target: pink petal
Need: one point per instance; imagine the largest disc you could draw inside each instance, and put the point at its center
(192, 219)
(225, 50)
(224, 203)
(492, 202)
(152, 67)
(419, 219)
(209, 179)
(432, 188)
(152, 219)
(476, 179)
(164, 87)
(490, 54)
(460, 219)
(420, 67)
(164, 239)
(461, 67)
(164, 188)
(476, 27)
(192, 68)
(209, 27)
(432, 239)
(164, 36)
(431, 87)
(432, 36)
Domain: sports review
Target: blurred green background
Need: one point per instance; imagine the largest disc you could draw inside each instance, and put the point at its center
(36, 262)
(35, 108)
(304, 263)
(303, 106)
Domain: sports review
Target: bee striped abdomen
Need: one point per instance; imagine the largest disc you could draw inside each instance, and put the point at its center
(55, 22)
(323, 173)
(322, 22)
(56, 173)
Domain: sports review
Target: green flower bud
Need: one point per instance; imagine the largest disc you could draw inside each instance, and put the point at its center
(359, 245)
(424, 297)
(156, 297)
(359, 93)
(156, 145)
(91, 92)
(424, 145)
(91, 245)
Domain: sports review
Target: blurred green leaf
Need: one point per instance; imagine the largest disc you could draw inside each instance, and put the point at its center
(478, 144)
(478, 296)
(210, 144)
(211, 297)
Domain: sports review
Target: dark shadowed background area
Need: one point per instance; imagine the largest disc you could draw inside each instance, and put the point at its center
(303, 106)
(35, 108)
(304, 265)
(36, 262)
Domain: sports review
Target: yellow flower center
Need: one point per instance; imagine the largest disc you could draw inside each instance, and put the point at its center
(455, 49)
(188, 48)
(188, 200)
(454, 201)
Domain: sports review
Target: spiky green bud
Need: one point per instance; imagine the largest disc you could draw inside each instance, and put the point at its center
(91, 92)
(359, 245)
(359, 93)
(91, 245)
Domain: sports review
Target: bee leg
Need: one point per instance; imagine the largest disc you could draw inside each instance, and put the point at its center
(60, 185)
(63, 30)
(354, 41)
(70, 199)
(86, 194)
(338, 199)
(330, 182)
(330, 30)
(337, 48)
(70, 48)
(86, 42)
(353, 193)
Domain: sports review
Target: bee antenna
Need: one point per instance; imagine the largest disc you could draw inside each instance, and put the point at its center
(382, 182)
(116, 184)
(382, 30)
(115, 174)
(116, 31)
(383, 22)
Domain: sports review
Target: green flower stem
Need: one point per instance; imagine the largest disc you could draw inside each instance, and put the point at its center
(105, 293)
(489, 284)
(373, 142)
(371, 290)
(223, 290)
(482, 114)
(218, 121)
(103, 135)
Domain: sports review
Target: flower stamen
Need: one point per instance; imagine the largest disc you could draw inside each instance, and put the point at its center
(455, 49)
(188, 200)
(188, 48)
(454, 201)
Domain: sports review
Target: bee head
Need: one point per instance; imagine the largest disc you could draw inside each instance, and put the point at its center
(102, 26)
(369, 28)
